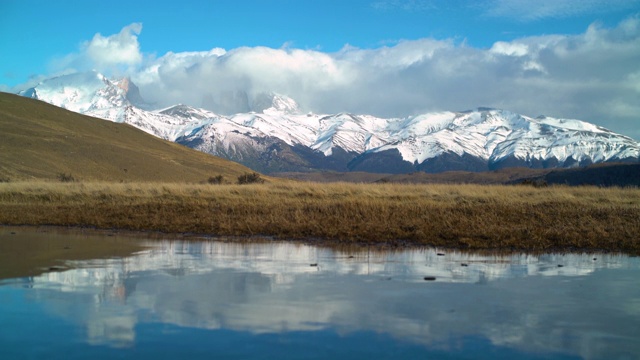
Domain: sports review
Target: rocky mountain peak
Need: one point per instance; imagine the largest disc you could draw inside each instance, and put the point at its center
(273, 102)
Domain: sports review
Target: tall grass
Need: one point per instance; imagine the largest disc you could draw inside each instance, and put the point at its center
(461, 216)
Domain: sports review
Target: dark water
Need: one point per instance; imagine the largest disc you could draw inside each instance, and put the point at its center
(220, 300)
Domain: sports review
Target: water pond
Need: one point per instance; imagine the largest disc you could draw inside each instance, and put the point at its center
(168, 299)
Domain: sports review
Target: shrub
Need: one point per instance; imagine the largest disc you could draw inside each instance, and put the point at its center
(250, 178)
(66, 177)
(216, 180)
(537, 183)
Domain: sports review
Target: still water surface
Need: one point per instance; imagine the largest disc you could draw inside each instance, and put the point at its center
(215, 299)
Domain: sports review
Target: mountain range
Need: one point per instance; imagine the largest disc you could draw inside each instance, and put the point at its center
(276, 136)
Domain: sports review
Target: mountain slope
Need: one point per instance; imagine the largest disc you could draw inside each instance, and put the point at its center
(39, 140)
(277, 137)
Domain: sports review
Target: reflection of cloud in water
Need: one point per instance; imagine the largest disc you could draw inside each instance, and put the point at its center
(283, 261)
(522, 301)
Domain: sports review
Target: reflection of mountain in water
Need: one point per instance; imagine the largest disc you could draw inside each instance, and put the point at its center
(521, 301)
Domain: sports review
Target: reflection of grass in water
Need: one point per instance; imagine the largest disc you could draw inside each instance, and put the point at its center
(461, 216)
(28, 251)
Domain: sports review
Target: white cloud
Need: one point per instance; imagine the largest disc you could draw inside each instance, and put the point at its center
(118, 49)
(119, 53)
(510, 48)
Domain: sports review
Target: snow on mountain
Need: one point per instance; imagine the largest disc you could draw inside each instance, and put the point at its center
(493, 135)
(272, 102)
(79, 92)
(280, 137)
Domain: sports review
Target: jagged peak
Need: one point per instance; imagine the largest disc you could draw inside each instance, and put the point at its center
(179, 106)
(487, 108)
(274, 102)
(186, 111)
(131, 90)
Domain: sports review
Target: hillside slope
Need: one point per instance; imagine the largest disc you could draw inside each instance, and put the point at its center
(41, 141)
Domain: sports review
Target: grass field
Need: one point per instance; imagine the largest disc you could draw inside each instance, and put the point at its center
(511, 218)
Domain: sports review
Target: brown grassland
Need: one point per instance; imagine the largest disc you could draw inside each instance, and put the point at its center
(474, 217)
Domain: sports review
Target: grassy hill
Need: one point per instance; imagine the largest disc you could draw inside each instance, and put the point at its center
(42, 141)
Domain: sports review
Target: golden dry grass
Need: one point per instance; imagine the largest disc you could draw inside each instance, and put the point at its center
(458, 216)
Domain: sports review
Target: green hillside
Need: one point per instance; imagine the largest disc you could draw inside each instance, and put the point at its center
(42, 141)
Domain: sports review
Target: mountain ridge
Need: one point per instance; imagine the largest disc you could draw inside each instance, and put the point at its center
(280, 137)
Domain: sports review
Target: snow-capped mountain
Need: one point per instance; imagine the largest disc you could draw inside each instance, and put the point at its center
(278, 136)
(86, 92)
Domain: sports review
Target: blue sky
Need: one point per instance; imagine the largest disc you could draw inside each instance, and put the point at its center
(420, 55)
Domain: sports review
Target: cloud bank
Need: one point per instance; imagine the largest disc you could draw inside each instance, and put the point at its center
(593, 76)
